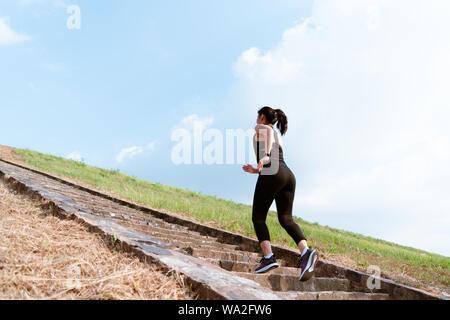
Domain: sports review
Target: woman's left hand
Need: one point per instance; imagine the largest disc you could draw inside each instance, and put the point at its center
(260, 165)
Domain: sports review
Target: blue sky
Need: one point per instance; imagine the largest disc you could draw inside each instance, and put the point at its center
(362, 84)
(129, 74)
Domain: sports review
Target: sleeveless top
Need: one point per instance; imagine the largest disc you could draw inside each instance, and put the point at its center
(260, 150)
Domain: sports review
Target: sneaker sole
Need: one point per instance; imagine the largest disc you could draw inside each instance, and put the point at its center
(309, 270)
(267, 268)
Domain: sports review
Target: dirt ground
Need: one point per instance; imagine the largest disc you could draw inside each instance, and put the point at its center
(7, 153)
(44, 257)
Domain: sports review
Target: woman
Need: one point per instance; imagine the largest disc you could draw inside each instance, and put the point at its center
(275, 181)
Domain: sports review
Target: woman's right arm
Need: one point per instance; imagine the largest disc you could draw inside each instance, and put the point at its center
(266, 132)
(262, 130)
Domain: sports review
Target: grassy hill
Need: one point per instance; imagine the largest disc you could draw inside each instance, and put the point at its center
(347, 248)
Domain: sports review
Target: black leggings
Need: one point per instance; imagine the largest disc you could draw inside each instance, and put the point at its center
(281, 187)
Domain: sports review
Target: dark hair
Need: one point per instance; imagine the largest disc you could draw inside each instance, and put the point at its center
(275, 116)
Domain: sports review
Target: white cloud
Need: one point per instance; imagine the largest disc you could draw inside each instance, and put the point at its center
(128, 153)
(194, 121)
(75, 156)
(9, 36)
(253, 65)
(365, 87)
(131, 152)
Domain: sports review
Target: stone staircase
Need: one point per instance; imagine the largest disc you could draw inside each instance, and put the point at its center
(230, 257)
(218, 260)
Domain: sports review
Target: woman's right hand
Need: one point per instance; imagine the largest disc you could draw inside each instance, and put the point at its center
(249, 168)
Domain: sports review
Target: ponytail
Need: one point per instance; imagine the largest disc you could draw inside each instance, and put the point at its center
(282, 123)
(275, 116)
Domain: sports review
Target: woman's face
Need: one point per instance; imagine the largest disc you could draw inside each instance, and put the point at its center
(259, 119)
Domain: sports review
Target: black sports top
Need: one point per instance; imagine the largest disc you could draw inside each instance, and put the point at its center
(260, 150)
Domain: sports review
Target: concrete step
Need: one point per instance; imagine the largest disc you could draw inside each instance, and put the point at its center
(159, 223)
(241, 266)
(200, 241)
(332, 295)
(141, 220)
(283, 282)
(177, 233)
(233, 255)
(184, 242)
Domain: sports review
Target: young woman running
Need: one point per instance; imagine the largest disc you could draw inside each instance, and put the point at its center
(275, 181)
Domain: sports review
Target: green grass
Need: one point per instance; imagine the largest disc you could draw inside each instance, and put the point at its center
(431, 268)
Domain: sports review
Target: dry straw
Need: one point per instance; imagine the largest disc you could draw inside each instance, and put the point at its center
(44, 257)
